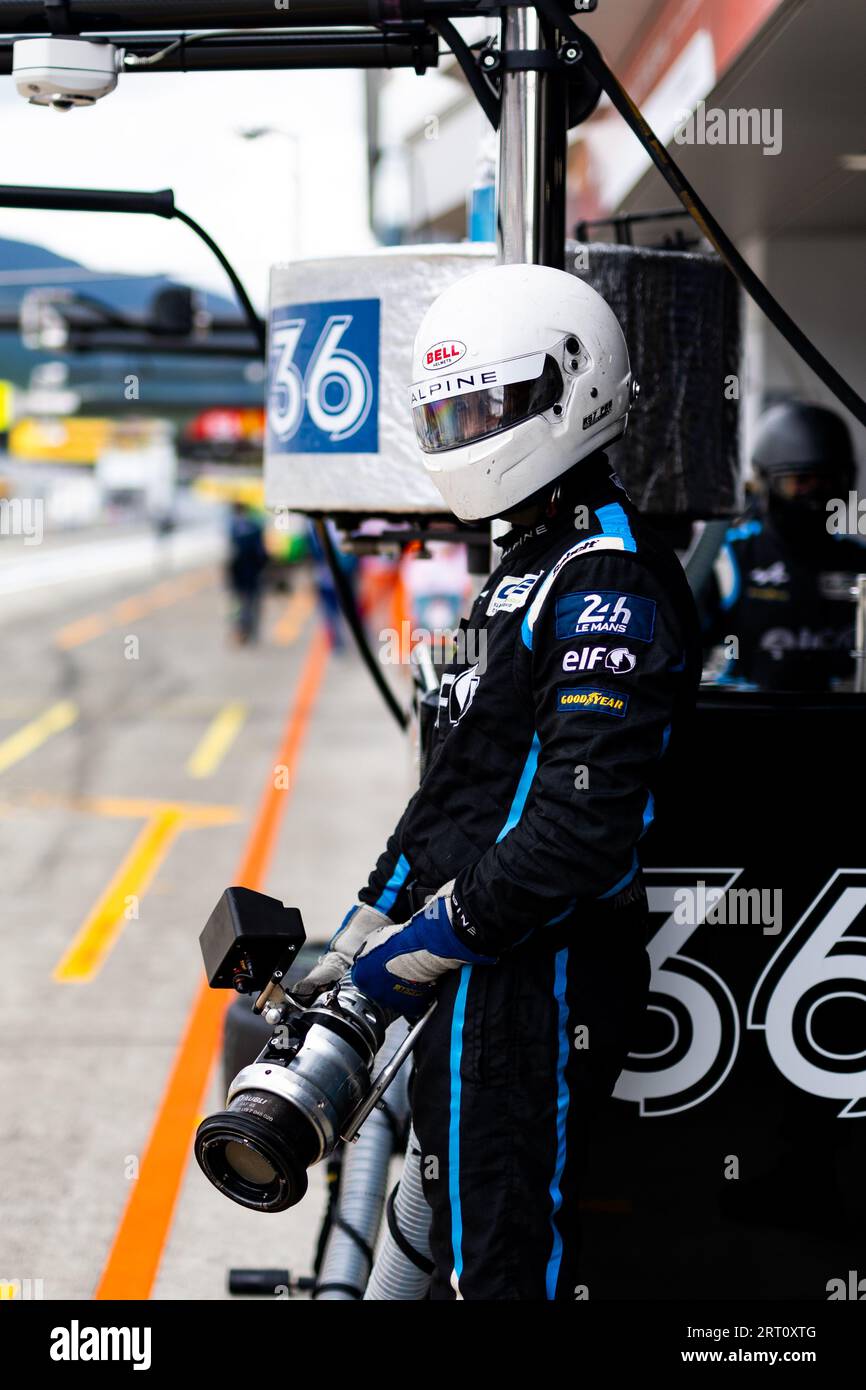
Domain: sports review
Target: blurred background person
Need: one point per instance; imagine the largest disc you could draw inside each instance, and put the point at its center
(783, 577)
(329, 601)
(248, 560)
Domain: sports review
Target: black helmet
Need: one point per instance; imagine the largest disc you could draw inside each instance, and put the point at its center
(797, 438)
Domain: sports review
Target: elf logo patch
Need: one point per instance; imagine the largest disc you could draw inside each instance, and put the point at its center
(443, 354)
(582, 698)
(618, 660)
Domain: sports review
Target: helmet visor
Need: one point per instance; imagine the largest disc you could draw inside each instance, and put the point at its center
(464, 407)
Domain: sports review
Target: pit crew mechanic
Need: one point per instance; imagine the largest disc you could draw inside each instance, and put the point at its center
(522, 839)
(783, 578)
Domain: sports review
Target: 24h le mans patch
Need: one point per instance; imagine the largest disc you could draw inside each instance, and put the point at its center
(586, 614)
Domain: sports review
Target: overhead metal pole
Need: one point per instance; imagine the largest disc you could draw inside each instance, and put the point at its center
(285, 52)
(91, 16)
(530, 165)
(530, 171)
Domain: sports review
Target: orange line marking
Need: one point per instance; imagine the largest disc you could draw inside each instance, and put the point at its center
(83, 630)
(134, 1259)
(77, 633)
(294, 617)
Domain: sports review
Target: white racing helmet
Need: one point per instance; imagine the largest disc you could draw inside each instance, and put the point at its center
(519, 372)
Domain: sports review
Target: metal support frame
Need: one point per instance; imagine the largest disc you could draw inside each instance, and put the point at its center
(530, 172)
(530, 165)
(414, 47)
(92, 16)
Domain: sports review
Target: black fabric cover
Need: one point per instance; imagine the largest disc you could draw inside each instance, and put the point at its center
(680, 312)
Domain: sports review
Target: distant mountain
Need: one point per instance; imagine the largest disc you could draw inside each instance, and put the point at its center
(24, 266)
(173, 384)
(24, 255)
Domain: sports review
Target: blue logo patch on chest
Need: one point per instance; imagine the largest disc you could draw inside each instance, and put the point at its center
(512, 592)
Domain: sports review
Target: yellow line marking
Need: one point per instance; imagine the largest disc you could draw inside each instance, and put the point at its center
(31, 736)
(128, 807)
(193, 814)
(297, 611)
(164, 820)
(136, 1251)
(217, 740)
(170, 591)
(102, 928)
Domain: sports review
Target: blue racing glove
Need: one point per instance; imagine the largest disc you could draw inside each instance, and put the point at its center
(400, 966)
(343, 946)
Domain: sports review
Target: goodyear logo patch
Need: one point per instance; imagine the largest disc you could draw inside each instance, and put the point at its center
(587, 698)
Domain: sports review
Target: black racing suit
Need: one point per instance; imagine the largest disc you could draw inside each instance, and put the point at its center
(780, 592)
(580, 653)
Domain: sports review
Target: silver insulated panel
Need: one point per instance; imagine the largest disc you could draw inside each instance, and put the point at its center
(340, 438)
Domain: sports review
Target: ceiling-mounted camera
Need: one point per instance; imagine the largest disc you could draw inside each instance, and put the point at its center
(65, 72)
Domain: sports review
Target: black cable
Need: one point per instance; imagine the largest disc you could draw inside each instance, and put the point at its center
(394, 1124)
(487, 98)
(355, 1236)
(350, 613)
(256, 324)
(334, 1173)
(113, 200)
(353, 1290)
(698, 210)
(402, 1243)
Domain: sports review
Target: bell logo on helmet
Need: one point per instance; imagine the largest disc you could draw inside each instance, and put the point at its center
(443, 354)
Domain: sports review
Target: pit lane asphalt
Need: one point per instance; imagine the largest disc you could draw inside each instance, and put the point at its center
(99, 733)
